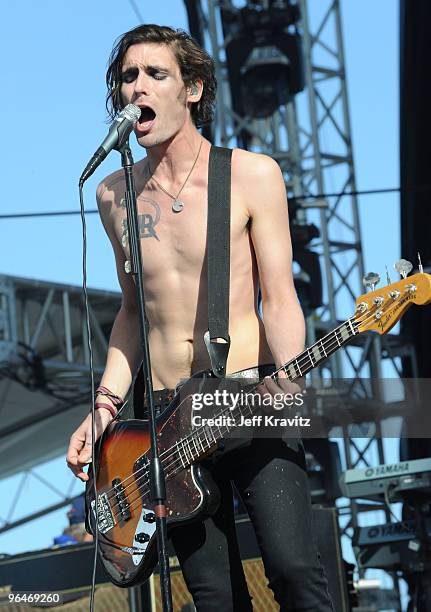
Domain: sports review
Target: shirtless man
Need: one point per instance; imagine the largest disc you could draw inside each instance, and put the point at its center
(171, 78)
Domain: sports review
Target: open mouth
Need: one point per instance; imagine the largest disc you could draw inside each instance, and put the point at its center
(147, 115)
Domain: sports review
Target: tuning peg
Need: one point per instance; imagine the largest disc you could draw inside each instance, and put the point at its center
(420, 266)
(403, 267)
(388, 278)
(371, 280)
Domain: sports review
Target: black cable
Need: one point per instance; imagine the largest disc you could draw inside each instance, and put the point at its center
(136, 11)
(93, 411)
(59, 213)
(348, 193)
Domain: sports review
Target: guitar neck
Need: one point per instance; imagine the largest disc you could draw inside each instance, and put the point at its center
(319, 351)
(378, 310)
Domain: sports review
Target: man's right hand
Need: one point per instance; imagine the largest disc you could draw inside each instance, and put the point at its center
(79, 451)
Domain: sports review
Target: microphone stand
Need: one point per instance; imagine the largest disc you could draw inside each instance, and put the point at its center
(157, 477)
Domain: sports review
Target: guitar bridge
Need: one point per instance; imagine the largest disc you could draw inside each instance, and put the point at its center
(106, 518)
(121, 499)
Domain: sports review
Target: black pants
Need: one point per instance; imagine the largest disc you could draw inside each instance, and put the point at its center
(273, 485)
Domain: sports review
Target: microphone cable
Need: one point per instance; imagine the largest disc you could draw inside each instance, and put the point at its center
(91, 364)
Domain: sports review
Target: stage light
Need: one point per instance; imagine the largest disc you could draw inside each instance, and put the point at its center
(307, 271)
(264, 88)
(308, 281)
(264, 57)
(277, 15)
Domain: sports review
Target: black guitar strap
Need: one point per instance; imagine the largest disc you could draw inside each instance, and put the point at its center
(218, 248)
(217, 338)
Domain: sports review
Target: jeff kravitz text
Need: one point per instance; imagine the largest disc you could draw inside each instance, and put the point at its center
(257, 420)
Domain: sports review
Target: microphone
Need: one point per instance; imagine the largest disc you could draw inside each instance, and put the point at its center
(118, 134)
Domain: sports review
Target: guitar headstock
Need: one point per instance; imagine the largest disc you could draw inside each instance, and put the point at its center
(381, 309)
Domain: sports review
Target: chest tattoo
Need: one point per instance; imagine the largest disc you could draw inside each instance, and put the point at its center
(147, 222)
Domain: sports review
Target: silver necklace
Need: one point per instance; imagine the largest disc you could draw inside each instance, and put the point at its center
(177, 204)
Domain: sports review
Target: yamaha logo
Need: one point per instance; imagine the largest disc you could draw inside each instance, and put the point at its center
(387, 470)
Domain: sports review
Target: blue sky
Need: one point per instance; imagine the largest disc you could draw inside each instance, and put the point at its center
(54, 60)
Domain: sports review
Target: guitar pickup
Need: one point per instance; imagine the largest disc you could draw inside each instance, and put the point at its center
(141, 463)
(106, 519)
(121, 499)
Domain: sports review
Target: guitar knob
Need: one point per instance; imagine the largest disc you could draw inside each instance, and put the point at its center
(149, 517)
(142, 537)
(371, 280)
(403, 267)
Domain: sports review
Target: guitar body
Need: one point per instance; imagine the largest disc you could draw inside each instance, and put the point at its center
(127, 537)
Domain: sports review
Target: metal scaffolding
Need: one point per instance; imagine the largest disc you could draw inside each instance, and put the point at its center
(44, 383)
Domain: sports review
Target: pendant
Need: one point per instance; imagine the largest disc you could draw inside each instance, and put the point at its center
(177, 206)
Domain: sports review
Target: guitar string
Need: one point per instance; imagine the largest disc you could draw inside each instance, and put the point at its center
(175, 465)
(177, 459)
(194, 436)
(321, 342)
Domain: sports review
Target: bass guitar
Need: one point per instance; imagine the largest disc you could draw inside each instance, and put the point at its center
(126, 520)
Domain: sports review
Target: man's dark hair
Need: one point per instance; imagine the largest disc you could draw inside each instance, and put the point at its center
(194, 63)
